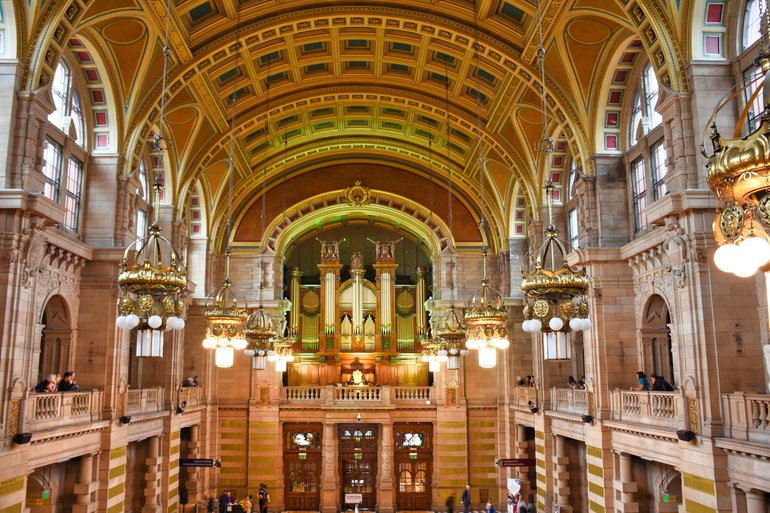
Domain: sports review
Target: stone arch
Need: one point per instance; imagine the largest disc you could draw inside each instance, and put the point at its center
(57, 338)
(94, 79)
(610, 122)
(657, 345)
(197, 245)
(708, 30)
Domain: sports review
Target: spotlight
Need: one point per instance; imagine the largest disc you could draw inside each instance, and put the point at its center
(22, 438)
(685, 435)
(587, 419)
(125, 419)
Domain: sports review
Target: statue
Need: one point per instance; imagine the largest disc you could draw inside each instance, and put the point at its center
(357, 261)
(386, 250)
(330, 251)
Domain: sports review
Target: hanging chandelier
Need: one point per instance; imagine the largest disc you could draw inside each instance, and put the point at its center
(739, 174)
(225, 321)
(260, 334)
(450, 329)
(555, 292)
(151, 291)
(486, 321)
(434, 351)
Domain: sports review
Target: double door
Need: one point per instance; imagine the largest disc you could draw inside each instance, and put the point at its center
(358, 464)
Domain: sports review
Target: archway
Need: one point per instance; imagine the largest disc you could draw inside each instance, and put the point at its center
(657, 347)
(56, 340)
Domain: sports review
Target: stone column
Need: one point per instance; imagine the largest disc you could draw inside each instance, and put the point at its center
(626, 486)
(756, 501)
(561, 477)
(522, 451)
(329, 475)
(421, 292)
(193, 451)
(294, 298)
(85, 487)
(152, 477)
(386, 492)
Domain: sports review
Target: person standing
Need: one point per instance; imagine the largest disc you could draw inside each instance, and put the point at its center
(450, 503)
(264, 498)
(466, 499)
(224, 502)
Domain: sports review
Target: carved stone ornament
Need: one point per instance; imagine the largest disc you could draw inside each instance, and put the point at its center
(358, 195)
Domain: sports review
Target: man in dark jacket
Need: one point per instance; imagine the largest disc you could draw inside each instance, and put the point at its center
(466, 499)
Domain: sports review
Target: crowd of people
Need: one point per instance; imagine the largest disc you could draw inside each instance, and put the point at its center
(529, 381)
(53, 383)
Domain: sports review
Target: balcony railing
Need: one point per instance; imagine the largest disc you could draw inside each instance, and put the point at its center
(331, 395)
(747, 416)
(524, 396)
(570, 400)
(62, 409)
(660, 409)
(144, 400)
(192, 396)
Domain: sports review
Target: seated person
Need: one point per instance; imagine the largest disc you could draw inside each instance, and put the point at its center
(47, 385)
(643, 384)
(67, 383)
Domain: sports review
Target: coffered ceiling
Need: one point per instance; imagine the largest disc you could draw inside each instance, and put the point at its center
(424, 86)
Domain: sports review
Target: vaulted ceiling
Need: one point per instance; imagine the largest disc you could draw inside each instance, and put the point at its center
(423, 86)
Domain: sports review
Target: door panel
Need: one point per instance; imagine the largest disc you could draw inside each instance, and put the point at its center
(302, 466)
(413, 459)
(358, 463)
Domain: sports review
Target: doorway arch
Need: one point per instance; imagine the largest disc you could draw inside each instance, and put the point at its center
(657, 345)
(57, 338)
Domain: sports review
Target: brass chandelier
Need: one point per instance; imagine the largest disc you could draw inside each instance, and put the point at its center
(225, 318)
(555, 292)
(738, 172)
(225, 322)
(151, 291)
(450, 330)
(260, 333)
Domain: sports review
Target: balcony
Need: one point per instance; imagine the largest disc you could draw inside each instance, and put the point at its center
(659, 409)
(143, 400)
(747, 416)
(570, 400)
(60, 410)
(192, 397)
(524, 396)
(331, 396)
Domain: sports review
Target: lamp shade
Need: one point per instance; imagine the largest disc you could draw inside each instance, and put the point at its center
(224, 357)
(557, 345)
(434, 366)
(487, 357)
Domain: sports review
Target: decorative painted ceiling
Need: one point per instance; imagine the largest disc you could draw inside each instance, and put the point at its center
(431, 88)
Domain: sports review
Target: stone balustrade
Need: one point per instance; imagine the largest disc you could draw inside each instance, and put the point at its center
(570, 400)
(525, 396)
(50, 411)
(144, 400)
(192, 396)
(660, 409)
(747, 416)
(333, 396)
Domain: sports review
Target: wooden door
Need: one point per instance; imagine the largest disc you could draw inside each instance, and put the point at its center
(358, 463)
(302, 466)
(413, 465)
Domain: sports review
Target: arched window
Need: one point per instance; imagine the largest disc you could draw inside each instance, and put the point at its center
(751, 23)
(67, 104)
(650, 85)
(636, 119)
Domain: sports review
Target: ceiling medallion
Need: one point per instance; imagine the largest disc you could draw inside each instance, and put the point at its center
(358, 195)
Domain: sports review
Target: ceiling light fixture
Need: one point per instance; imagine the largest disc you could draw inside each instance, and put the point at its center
(486, 318)
(555, 292)
(151, 291)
